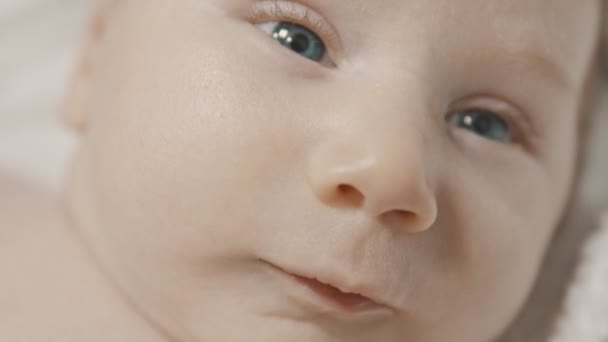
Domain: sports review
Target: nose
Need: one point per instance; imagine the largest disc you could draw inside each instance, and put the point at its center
(383, 174)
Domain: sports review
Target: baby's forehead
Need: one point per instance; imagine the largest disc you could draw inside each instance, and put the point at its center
(463, 7)
(553, 34)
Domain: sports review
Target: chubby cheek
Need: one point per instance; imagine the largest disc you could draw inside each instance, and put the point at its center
(189, 145)
(497, 221)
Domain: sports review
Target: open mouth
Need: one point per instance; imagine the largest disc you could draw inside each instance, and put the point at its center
(348, 302)
(344, 301)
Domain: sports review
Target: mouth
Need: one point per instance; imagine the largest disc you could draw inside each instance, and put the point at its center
(344, 301)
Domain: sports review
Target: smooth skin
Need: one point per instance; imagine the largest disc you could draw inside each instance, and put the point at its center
(213, 157)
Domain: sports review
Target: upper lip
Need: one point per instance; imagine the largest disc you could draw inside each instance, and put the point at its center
(348, 285)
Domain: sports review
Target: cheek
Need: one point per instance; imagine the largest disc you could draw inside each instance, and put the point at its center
(185, 135)
(513, 214)
(494, 226)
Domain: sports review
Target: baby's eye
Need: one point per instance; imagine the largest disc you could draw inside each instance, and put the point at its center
(297, 38)
(484, 123)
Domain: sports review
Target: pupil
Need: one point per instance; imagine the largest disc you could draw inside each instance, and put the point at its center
(300, 43)
(482, 124)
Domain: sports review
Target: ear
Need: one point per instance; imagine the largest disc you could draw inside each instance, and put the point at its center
(76, 100)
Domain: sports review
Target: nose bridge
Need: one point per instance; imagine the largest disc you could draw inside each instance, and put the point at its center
(391, 101)
(378, 161)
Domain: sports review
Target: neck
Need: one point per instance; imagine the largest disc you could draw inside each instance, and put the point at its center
(93, 300)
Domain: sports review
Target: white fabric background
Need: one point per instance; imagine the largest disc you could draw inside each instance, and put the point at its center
(38, 45)
(39, 40)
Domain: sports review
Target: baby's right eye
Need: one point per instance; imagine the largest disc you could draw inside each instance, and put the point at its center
(297, 38)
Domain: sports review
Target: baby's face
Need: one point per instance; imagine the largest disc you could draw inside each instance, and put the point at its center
(417, 153)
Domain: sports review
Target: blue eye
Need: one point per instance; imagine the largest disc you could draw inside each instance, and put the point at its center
(297, 38)
(484, 123)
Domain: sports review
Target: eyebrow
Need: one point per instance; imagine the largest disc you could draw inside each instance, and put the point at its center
(544, 66)
(528, 60)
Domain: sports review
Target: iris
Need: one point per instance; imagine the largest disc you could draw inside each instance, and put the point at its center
(482, 122)
(300, 40)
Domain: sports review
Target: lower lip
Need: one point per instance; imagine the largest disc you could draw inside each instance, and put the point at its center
(346, 302)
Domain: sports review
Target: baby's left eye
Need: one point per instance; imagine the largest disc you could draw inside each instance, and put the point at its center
(484, 123)
(297, 38)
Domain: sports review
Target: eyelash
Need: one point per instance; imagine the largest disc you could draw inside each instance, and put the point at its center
(521, 129)
(299, 14)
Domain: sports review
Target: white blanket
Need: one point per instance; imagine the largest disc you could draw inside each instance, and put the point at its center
(586, 315)
(38, 44)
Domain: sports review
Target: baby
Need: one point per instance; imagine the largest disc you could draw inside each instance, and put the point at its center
(310, 170)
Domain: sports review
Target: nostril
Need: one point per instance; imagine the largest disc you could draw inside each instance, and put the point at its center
(402, 220)
(350, 195)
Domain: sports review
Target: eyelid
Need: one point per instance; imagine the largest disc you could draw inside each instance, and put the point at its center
(302, 15)
(523, 132)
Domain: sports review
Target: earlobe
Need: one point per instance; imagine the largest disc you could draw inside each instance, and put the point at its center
(75, 105)
(74, 111)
